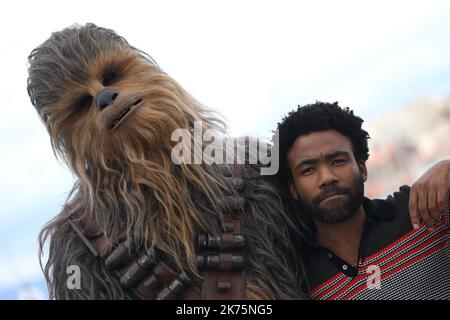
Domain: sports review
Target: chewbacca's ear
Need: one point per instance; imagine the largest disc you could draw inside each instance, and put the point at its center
(293, 191)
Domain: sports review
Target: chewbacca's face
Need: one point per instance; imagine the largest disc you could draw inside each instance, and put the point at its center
(112, 109)
(111, 95)
(108, 100)
(102, 99)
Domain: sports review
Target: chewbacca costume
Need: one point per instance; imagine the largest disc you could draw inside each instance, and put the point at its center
(136, 224)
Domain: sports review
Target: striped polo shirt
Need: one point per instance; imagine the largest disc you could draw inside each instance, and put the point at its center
(395, 261)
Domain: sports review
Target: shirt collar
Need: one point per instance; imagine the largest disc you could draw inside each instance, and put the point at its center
(379, 209)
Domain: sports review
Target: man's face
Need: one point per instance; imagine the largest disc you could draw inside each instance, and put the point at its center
(327, 180)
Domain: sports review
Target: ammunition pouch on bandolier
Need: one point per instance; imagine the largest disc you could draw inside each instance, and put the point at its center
(148, 275)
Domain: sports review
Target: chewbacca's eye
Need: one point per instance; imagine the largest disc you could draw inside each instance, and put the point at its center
(83, 103)
(109, 78)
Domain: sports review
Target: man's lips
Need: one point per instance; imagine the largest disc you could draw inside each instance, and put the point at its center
(123, 111)
(330, 192)
(331, 195)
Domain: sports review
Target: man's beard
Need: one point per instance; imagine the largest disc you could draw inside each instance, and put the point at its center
(340, 212)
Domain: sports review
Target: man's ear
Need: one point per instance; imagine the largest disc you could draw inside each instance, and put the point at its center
(293, 191)
(363, 170)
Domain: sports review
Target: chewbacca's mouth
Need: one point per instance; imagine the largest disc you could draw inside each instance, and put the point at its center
(125, 112)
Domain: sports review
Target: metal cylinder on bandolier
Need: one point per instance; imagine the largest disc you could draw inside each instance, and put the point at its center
(175, 288)
(152, 282)
(119, 257)
(221, 262)
(139, 269)
(221, 242)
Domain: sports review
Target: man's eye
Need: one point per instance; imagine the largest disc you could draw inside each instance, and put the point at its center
(109, 78)
(307, 171)
(339, 161)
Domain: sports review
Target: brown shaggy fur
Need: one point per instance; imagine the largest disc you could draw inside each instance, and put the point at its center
(126, 177)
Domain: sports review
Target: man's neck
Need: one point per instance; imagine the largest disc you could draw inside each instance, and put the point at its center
(343, 238)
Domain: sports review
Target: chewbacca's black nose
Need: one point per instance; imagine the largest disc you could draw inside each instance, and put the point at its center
(105, 98)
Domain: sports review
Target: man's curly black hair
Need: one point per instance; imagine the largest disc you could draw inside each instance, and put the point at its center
(319, 116)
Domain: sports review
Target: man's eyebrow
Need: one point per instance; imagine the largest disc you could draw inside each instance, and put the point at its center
(307, 161)
(337, 153)
(328, 156)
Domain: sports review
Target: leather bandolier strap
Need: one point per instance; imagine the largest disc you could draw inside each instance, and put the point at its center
(147, 275)
(222, 257)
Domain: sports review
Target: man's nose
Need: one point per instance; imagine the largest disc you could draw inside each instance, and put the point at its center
(105, 98)
(327, 177)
